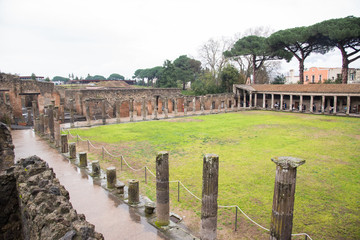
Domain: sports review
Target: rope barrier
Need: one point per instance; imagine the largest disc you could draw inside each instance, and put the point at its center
(179, 182)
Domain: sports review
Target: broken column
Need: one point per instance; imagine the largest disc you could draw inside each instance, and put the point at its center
(35, 115)
(29, 121)
(111, 177)
(209, 204)
(284, 196)
(51, 123)
(95, 166)
(82, 159)
(133, 192)
(46, 125)
(162, 188)
(72, 150)
(64, 143)
(103, 112)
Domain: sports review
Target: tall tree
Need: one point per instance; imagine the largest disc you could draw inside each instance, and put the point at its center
(229, 76)
(116, 76)
(300, 42)
(343, 33)
(167, 78)
(258, 50)
(211, 53)
(187, 69)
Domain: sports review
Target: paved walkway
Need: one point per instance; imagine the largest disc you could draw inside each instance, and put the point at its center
(114, 219)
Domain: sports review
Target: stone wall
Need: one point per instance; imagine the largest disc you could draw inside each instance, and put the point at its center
(15, 87)
(43, 205)
(6, 148)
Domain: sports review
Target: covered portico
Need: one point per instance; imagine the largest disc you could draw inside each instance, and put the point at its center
(312, 98)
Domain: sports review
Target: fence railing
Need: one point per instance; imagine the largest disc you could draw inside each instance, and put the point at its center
(179, 183)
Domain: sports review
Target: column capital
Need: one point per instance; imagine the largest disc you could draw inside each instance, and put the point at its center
(288, 162)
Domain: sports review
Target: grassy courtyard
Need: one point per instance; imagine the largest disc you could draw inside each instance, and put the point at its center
(328, 185)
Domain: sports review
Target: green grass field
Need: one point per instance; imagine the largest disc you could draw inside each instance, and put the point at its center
(327, 200)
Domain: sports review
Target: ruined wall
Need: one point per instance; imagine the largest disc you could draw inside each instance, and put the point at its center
(44, 210)
(6, 114)
(17, 86)
(6, 148)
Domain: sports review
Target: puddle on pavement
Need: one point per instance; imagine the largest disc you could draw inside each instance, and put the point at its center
(111, 217)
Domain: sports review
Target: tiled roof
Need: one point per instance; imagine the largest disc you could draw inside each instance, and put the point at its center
(309, 88)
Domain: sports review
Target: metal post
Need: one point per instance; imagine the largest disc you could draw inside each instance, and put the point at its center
(236, 210)
(145, 176)
(178, 191)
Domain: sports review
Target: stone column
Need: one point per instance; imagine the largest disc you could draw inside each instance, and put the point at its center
(72, 150)
(51, 123)
(301, 103)
(202, 103)
(209, 204)
(348, 104)
(95, 167)
(211, 104)
(29, 121)
(155, 108)
(244, 99)
(64, 143)
(284, 196)
(250, 99)
(162, 189)
(281, 101)
(46, 125)
(143, 108)
(35, 115)
(175, 107)
(82, 159)
(103, 112)
(238, 106)
(57, 127)
(87, 113)
(255, 100)
(194, 105)
(322, 104)
(219, 107)
(111, 177)
(311, 103)
(291, 103)
(133, 192)
(335, 105)
(72, 120)
(225, 103)
(185, 106)
(264, 100)
(62, 113)
(42, 124)
(118, 110)
(166, 107)
(272, 101)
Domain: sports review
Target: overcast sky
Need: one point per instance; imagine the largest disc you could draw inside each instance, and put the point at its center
(58, 37)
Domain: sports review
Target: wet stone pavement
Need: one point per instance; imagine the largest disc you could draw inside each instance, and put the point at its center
(111, 217)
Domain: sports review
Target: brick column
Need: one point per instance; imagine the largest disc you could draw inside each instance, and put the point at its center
(284, 196)
(131, 109)
(103, 112)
